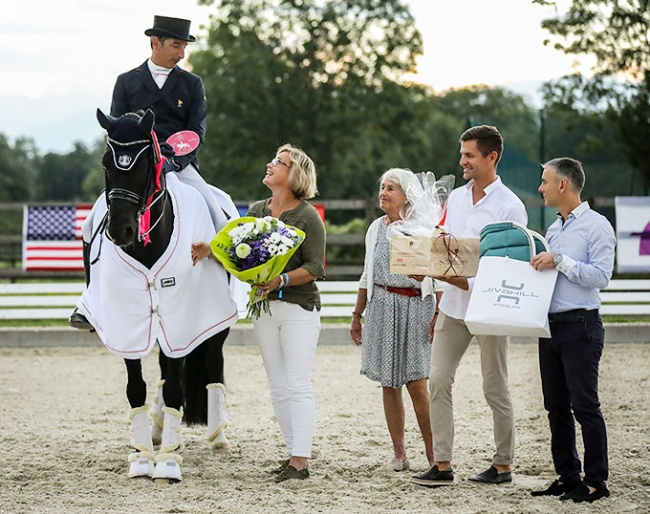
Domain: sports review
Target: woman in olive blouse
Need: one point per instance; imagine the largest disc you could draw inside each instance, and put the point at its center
(287, 337)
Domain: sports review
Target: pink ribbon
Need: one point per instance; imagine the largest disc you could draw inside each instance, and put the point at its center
(144, 222)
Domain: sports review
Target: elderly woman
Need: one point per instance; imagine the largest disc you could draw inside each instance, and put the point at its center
(396, 339)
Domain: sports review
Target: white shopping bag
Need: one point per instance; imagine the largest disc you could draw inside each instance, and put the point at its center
(510, 298)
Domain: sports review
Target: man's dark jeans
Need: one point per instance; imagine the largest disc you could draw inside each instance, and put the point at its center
(568, 364)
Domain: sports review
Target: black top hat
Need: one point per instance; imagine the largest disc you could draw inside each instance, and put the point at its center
(171, 27)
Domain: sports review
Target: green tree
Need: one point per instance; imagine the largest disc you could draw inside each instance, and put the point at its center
(616, 33)
(16, 170)
(515, 119)
(320, 75)
(60, 176)
(93, 183)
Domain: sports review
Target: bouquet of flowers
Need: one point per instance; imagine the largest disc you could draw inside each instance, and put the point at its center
(256, 250)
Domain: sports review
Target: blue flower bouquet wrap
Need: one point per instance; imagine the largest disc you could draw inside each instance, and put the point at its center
(256, 250)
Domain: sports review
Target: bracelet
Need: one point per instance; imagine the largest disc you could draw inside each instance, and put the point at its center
(355, 313)
(436, 313)
(281, 286)
(286, 279)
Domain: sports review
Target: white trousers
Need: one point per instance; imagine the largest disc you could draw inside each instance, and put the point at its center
(191, 177)
(287, 340)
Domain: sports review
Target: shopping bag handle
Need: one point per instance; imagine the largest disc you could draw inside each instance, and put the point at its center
(532, 236)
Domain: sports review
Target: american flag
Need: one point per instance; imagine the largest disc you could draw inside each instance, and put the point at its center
(52, 237)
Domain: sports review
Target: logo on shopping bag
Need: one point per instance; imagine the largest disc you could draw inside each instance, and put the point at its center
(509, 296)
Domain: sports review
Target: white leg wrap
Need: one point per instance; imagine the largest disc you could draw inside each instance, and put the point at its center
(168, 460)
(217, 416)
(140, 461)
(156, 414)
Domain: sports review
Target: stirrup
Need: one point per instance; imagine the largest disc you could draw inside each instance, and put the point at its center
(79, 321)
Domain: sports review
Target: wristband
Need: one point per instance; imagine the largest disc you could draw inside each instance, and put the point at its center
(355, 313)
(284, 281)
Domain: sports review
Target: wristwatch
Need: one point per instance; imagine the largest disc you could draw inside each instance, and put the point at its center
(557, 259)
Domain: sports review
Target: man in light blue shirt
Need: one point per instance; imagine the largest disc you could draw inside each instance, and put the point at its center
(582, 250)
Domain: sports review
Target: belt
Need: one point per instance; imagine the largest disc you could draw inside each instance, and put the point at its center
(573, 316)
(405, 291)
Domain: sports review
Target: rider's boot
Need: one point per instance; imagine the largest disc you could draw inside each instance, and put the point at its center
(79, 321)
(76, 319)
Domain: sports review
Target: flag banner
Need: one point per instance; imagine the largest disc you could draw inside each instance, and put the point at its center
(632, 234)
(52, 237)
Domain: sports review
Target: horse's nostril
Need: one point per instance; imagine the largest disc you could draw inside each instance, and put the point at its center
(122, 236)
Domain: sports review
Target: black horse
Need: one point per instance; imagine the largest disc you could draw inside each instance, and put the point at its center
(140, 221)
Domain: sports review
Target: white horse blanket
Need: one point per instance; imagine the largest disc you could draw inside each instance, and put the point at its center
(174, 303)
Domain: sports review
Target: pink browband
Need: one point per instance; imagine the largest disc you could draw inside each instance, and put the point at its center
(145, 217)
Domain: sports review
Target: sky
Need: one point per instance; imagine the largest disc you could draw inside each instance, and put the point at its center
(65, 55)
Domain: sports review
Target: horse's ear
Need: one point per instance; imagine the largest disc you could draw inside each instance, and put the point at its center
(106, 122)
(148, 120)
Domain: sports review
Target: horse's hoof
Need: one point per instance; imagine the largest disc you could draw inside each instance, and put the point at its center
(165, 481)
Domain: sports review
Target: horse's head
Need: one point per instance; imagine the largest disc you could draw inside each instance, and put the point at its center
(131, 173)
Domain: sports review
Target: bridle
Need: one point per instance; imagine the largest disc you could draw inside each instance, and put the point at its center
(155, 189)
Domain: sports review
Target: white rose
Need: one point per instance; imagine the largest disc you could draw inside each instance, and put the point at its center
(262, 226)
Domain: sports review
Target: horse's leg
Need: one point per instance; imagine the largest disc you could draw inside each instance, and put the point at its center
(158, 402)
(194, 382)
(168, 460)
(140, 461)
(217, 416)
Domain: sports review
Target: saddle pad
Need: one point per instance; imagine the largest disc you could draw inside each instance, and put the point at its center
(509, 239)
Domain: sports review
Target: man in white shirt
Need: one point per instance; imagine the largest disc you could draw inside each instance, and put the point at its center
(484, 199)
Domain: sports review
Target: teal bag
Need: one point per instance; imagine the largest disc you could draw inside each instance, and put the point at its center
(511, 239)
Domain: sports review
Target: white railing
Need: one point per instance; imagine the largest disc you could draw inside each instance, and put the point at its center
(55, 300)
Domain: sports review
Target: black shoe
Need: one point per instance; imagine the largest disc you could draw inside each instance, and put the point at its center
(290, 473)
(582, 494)
(283, 465)
(557, 488)
(492, 476)
(79, 321)
(434, 477)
